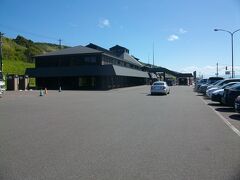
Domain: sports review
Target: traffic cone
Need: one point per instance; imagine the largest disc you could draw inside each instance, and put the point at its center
(60, 89)
(41, 92)
(46, 91)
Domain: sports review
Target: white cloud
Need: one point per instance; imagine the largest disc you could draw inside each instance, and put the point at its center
(210, 70)
(182, 31)
(173, 37)
(104, 23)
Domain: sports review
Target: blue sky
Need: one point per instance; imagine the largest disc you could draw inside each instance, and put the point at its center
(182, 31)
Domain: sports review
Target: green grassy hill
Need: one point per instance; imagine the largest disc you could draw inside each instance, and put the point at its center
(18, 53)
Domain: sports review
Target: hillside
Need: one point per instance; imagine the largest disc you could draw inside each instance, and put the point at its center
(18, 53)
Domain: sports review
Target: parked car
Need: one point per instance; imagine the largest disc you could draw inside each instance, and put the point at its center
(214, 88)
(203, 88)
(217, 94)
(230, 94)
(160, 87)
(199, 83)
(225, 81)
(237, 104)
(210, 81)
(2, 84)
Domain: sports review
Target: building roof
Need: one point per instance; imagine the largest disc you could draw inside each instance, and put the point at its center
(130, 59)
(118, 47)
(185, 75)
(99, 48)
(86, 70)
(124, 56)
(71, 51)
(162, 69)
(122, 71)
(93, 49)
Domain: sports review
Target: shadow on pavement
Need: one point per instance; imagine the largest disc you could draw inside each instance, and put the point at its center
(205, 97)
(215, 104)
(235, 117)
(155, 95)
(199, 95)
(225, 109)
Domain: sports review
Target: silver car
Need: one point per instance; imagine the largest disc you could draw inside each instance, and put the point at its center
(160, 87)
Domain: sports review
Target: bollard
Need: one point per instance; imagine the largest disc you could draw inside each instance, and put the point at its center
(45, 91)
(60, 89)
(41, 92)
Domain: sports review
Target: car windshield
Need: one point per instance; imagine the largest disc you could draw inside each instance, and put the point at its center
(158, 84)
(227, 85)
(236, 86)
(219, 83)
(228, 81)
(212, 81)
(216, 82)
(202, 81)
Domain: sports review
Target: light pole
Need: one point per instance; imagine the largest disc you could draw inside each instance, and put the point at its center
(231, 33)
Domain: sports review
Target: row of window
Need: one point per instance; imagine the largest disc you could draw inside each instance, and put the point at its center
(109, 60)
(72, 61)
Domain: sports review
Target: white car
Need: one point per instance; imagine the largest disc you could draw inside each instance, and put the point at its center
(2, 84)
(213, 89)
(160, 87)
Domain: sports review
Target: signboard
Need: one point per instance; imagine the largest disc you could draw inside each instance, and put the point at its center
(227, 72)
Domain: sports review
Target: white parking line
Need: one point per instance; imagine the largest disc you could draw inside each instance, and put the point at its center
(223, 118)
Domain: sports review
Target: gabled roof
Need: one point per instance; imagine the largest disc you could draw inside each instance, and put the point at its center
(118, 47)
(93, 49)
(99, 48)
(124, 57)
(71, 51)
(130, 59)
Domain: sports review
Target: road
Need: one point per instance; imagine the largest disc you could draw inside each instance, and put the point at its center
(121, 134)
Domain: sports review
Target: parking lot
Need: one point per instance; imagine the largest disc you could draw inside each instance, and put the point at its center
(117, 134)
(228, 113)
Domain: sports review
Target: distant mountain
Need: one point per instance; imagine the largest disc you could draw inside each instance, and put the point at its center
(18, 53)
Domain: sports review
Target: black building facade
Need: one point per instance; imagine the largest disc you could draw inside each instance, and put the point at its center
(88, 67)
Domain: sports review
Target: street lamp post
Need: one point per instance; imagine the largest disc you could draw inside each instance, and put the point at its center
(231, 33)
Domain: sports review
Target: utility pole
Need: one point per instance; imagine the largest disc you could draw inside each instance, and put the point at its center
(231, 33)
(153, 53)
(60, 43)
(1, 53)
(217, 70)
(148, 58)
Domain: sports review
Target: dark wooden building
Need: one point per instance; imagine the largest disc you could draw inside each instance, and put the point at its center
(88, 67)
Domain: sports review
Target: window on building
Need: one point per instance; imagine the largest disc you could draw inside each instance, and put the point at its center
(90, 60)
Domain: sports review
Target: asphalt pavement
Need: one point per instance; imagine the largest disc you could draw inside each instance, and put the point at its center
(121, 134)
